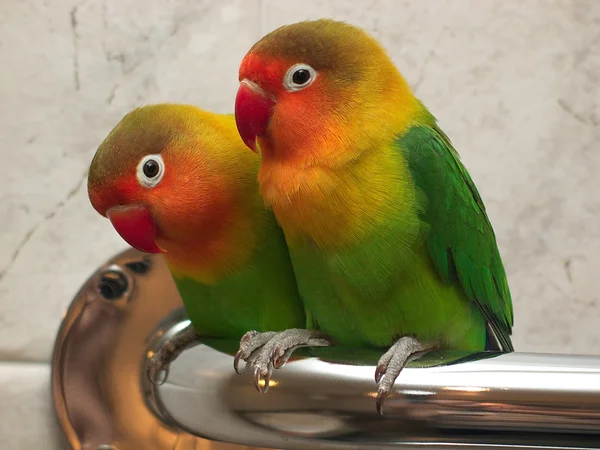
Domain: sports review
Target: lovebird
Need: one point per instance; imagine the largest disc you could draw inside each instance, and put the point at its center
(389, 238)
(177, 180)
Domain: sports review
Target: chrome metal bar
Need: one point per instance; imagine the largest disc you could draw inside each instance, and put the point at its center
(130, 306)
(478, 401)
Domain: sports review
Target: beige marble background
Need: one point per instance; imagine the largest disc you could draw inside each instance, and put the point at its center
(515, 85)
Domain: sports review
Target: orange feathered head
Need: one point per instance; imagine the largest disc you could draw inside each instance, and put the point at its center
(168, 177)
(311, 85)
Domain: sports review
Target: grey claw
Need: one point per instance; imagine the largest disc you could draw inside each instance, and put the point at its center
(381, 396)
(268, 350)
(157, 373)
(282, 359)
(267, 380)
(158, 367)
(162, 376)
(250, 343)
(379, 373)
(278, 363)
(258, 376)
(236, 362)
(392, 362)
(276, 356)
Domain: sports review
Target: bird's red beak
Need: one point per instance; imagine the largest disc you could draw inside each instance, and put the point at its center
(253, 109)
(135, 225)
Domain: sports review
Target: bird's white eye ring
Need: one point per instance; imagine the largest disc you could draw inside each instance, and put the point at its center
(298, 77)
(150, 170)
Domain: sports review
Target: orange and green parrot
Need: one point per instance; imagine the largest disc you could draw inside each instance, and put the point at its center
(177, 180)
(390, 241)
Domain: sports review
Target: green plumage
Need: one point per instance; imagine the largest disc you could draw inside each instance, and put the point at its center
(443, 281)
(461, 240)
(261, 296)
(226, 252)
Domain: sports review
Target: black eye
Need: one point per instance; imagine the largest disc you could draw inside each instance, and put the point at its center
(151, 168)
(301, 76)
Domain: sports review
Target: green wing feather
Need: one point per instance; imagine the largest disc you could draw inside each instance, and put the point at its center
(461, 241)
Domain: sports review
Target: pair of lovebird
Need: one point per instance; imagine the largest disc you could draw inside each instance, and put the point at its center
(352, 223)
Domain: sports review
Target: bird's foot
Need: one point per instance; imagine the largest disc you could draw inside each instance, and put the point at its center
(157, 369)
(250, 344)
(265, 351)
(392, 362)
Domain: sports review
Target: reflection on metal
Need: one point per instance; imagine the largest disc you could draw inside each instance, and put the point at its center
(480, 401)
(128, 309)
(99, 353)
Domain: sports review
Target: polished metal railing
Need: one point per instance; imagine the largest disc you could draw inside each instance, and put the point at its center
(485, 400)
(127, 310)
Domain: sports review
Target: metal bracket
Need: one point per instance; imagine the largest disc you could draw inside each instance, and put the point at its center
(99, 353)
